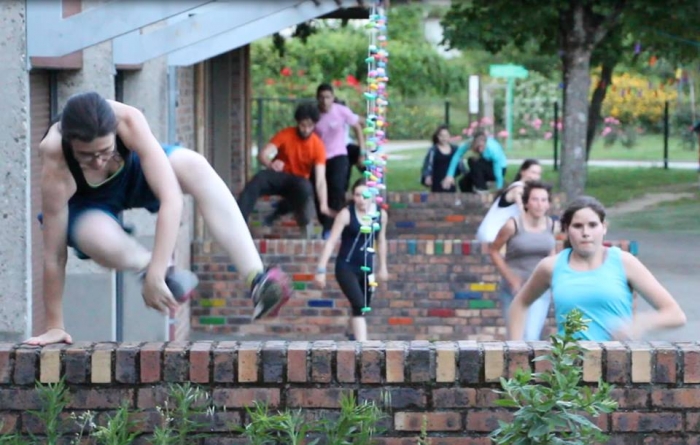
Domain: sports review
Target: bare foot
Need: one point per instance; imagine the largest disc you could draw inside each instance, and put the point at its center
(51, 336)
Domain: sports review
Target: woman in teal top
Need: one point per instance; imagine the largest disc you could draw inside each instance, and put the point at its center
(489, 164)
(596, 279)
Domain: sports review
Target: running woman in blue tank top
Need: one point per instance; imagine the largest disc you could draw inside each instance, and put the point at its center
(597, 280)
(357, 251)
(101, 159)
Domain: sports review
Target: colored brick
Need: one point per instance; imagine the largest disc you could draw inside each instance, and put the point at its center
(483, 287)
(466, 248)
(455, 218)
(468, 295)
(299, 285)
(218, 321)
(398, 321)
(303, 277)
(439, 247)
(412, 247)
(320, 303)
(448, 247)
(482, 304)
(398, 205)
(441, 312)
(211, 302)
(262, 247)
(429, 247)
(405, 224)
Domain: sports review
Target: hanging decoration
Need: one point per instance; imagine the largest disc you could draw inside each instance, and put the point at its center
(375, 137)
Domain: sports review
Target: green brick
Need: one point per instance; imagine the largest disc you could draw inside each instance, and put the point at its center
(398, 205)
(482, 304)
(439, 247)
(212, 320)
(256, 223)
(298, 285)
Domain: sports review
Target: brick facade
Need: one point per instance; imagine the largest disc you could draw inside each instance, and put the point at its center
(438, 290)
(450, 384)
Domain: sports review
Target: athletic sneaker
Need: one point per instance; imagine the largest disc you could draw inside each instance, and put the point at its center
(269, 291)
(181, 282)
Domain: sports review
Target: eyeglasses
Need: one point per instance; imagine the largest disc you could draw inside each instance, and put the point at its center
(86, 158)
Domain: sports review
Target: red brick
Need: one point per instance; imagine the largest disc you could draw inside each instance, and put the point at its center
(345, 362)
(675, 398)
(400, 321)
(245, 397)
(224, 358)
(150, 360)
(665, 369)
(518, 356)
(314, 397)
(6, 362)
(321, 359)
(371, 364)
(102, 398)
(644, 422)
(151, 397)
(486, 420)
(200, 360)
(435, 421)
(77, 362)
(441, 312)
(631, 398)
(690, 362)
(617, 369)
(8, 423)
(296, 362)
(454, 398)
(26, 365)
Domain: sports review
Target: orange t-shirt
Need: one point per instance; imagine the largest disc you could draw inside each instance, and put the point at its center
(299, 155)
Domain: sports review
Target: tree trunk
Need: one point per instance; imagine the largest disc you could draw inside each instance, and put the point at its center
(577, 60)
(597, 105)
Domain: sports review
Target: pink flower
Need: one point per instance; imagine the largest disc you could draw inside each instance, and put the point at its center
(522, 131)
(503, 134)
(547, 136)
(606, 131)
(286, 71)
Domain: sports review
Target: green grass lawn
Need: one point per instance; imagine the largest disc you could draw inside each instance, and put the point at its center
(677, 216)
(610, 185)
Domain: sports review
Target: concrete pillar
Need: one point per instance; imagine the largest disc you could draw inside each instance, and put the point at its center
(15, 247)
(89, 297)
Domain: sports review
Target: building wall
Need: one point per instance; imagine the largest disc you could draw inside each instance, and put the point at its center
(15, 264)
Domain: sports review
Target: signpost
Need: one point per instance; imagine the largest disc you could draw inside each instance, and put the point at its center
(509, 72)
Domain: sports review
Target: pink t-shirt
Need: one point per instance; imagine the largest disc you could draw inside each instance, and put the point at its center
(333, 131)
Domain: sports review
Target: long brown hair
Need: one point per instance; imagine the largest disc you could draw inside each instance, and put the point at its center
(580, 203)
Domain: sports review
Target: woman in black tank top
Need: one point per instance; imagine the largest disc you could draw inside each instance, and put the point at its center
(362, 233)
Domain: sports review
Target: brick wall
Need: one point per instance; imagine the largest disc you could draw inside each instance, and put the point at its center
(438, 290)
(657, 384)
(411, 215)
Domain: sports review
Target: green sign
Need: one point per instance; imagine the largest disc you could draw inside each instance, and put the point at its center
(508, 71)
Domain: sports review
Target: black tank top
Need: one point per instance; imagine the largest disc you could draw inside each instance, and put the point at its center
(83, 187)
(354, 243)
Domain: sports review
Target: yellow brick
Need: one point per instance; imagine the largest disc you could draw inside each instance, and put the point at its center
(482, 287)
(592, 361)
(494, 361)
(446, 363)
(248, 364)
(395, 361)
(217, 302)
(50, 366)
(641, 365)
(429, 247)
(101, 365)
(447, 248)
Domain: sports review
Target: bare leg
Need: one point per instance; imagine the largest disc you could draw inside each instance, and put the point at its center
(359, 328)
(219, 209)
(100, 237)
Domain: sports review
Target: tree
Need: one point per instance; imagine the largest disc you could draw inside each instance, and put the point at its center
(577, 30)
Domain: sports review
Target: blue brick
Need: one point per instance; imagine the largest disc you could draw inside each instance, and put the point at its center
(468, 295)
(423, 197)
(405, 225)
(230, 268)
(320, 303)
(412, 247)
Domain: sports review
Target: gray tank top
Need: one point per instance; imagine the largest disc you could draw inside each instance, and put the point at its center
(525, 249)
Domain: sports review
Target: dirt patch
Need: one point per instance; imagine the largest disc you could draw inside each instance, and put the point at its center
(647, 201)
